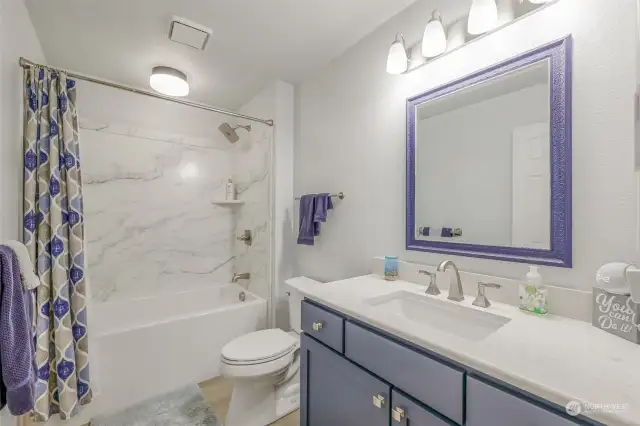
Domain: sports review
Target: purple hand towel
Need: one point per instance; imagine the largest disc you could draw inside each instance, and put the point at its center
(322, 206)
(306, 230)
(447, 232)
(17, 351)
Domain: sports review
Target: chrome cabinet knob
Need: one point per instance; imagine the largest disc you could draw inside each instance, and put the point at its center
(378, 401)
(397, 414)
(317, 326)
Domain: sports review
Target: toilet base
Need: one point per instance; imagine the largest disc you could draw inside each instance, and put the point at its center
(259, 402)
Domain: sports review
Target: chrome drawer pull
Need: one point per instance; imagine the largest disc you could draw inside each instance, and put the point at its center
(378, 401)
(317, 326)
(397, 414)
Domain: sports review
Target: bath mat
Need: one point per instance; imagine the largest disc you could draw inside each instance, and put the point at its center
(185, 407)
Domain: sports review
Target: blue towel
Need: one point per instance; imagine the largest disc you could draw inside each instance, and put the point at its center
(447, 233)
(17, 350)
(322, 205)
(313, 211)
(307, 226)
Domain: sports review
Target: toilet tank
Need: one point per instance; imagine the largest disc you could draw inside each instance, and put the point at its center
(295, 297)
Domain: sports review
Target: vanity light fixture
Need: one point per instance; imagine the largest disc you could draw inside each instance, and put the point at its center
(483, 16)
(434, 41)
(398, 59)
(169, 81)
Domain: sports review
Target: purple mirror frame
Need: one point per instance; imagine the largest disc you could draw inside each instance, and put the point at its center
(559, 55)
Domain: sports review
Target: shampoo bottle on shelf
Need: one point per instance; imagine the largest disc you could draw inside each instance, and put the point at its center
(231, 190)
(533, 296)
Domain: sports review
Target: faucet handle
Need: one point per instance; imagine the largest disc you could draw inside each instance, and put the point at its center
(433, 287)
(481, 299)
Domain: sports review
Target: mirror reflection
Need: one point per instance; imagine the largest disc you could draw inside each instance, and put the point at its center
(483, 162)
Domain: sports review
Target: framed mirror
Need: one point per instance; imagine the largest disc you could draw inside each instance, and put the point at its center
(489, 162)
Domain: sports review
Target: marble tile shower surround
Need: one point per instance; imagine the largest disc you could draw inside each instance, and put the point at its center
(252, 171)
(151, 224)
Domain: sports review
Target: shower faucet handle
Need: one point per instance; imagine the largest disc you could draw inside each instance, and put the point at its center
(246, 237)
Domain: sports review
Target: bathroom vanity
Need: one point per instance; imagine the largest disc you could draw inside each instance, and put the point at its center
(380, 353)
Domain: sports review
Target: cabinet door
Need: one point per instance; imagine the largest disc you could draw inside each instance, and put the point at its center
(407, 412)
(490, 406)
(336, 392)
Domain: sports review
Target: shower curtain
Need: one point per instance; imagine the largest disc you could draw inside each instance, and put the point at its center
(53, 233)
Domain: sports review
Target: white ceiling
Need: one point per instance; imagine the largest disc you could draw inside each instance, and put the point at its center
(253, 41)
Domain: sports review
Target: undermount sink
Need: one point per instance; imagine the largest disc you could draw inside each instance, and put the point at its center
(448, 317)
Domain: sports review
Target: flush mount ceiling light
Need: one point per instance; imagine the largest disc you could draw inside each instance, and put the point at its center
(169, 81)
(398, 59)
(434, 41)
(483, 16)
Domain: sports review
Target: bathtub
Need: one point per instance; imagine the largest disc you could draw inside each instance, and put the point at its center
(149, 346)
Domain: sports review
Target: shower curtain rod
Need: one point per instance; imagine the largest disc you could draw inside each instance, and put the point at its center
(25, 63)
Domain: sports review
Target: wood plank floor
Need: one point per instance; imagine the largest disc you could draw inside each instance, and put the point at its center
(217, 392)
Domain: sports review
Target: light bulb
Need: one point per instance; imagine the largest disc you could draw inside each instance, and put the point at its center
(169, 81)
(398, 60)
(434, 41)
(483, 16)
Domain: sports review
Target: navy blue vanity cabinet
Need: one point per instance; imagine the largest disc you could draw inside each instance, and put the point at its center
(432, 382)
(405, 411)
(355, 375)
(489, 406)
(323, 326)
(337, 393)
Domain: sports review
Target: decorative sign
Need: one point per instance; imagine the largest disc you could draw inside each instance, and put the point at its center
(616, 314)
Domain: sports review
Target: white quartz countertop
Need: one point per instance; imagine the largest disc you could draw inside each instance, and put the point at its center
(555, 358)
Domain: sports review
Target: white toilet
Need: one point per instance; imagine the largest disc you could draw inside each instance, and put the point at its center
(265, 367)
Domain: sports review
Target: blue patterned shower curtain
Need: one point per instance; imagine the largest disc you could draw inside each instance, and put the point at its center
(54, 235)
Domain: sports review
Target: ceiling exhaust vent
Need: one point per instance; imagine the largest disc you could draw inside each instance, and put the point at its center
(188, 32)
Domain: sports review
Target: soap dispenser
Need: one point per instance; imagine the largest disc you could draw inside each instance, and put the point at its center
(231, 190)
(533, 297)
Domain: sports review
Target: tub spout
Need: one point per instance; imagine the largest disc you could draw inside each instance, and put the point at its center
(243, 276)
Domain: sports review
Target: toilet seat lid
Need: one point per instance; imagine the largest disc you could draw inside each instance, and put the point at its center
(261, 345)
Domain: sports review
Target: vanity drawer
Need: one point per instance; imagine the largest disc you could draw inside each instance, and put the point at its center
(431, 382)
(413, 414)
(488, 405)
(323, 326)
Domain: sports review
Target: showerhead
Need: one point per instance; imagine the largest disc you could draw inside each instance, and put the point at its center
(230, 132)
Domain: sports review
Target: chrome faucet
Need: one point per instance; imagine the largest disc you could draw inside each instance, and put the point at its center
(433, 287)
(481, 299)
(455, 289)
(242, 276)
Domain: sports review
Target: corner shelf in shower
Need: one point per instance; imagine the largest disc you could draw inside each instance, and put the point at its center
(228, 202)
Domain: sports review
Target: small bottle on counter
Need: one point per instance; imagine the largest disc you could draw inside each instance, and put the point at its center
(391, 268)
(533, 296)
(231, 190)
